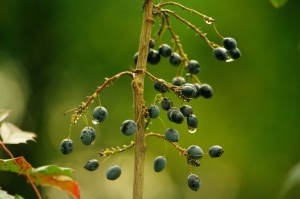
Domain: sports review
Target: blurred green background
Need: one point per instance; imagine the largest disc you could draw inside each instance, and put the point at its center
(55, 53)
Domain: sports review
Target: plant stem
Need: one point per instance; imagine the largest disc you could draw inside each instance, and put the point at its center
(138, 98)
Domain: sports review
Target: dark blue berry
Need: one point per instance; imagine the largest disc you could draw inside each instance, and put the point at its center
(186, 110)
(194, 182)
(175, 59)
(235, 53)
(88, 135)
(153, 111)
(165, 50)
(174, 115)
(100, 114)
(172, 135)
(189, 90)
(153, 57)
(215, 151)
(128, 127)
(159, 164)
(160, 87)
(192, 121)
(92, 165)
(229, 43)
(221, 53)
(197, 86)
(178, 81)
(113, 172)
(193, 67)
(135, 58)
(205, 90)
(195, 152)
(166, 104)
(66, 146)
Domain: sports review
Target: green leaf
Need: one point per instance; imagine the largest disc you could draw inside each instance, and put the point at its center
(4, 114)
(11, 134)
(59, 177)
(293, 179)
(17, 165)
(278, 3)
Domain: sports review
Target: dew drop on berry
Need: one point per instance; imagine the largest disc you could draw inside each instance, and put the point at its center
(94, 121)
(192, 130)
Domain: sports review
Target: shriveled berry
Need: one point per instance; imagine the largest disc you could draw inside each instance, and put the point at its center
(100, 114)
(193, 67)
(153, 111)
(160, 87)
(128, 127)
(153, 57)
(215, 151)
(91, 165)
(192, 121)
(166, 104)
(195, 152)
(186, 110)
(220, 53)
(189, 90)
(175, 115)
(66, 146)
(205, 90)
(229, 43)
(88, 135)
(135, 58)
(151, 43)
(113, 172)
(159, 163)
(165, 50)
(178, 81)
(175, 59)
(172, 135)
(194, 182)
(235, 53)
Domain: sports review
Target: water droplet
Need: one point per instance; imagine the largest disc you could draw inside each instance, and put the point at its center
(192, 130)
(94, 121)
(209, 20)
(229, 60)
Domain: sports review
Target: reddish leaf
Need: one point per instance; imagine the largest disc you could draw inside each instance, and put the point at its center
(58, 177)
(11, 134)
(17, 165)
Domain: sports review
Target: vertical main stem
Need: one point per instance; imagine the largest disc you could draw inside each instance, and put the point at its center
(139, 102)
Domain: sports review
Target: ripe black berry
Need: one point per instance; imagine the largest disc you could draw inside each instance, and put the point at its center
(113, 172)
(193, 67)
(166, 104)
(192, 121)
(128, 127)
(172, 135)
(175, 59)
(91, 165)
(100, 114)
(66, 146)
(189, 90)
(186, 110)
(174, 115)
(153, 111)
(235, 53)
(160, 87)
(205, 90)
(229, 43)
(193, 182)
(195, 152)
(153, 57)
(178, 81)
(165, 50)
(215, 151)
(88, 135)
(159, 164)
(220, 53)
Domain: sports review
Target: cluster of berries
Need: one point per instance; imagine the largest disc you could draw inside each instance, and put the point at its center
(88, 136)
(229, 50)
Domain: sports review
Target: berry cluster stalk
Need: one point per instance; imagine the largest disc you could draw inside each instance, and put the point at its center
(139, 103)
